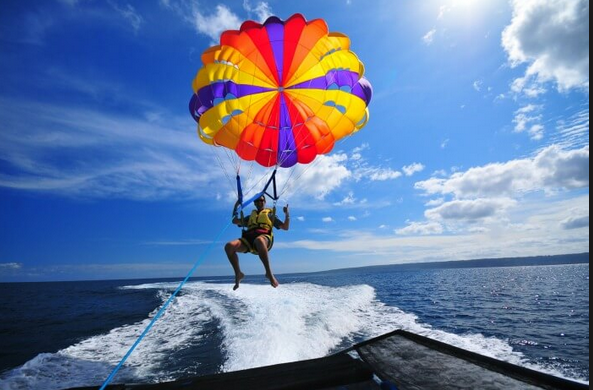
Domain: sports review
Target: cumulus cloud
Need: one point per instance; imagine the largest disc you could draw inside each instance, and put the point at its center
(327, 219)
(552, 38)
(470, 210)
(576, 222)
(421, 228)
(435, 202)
(550, 170)
(326, 173)
(409, 170)
(214, 24)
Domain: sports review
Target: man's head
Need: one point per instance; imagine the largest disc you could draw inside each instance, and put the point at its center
(260, 202)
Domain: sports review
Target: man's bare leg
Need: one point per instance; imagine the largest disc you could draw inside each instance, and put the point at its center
(261, 244)
(231, 250)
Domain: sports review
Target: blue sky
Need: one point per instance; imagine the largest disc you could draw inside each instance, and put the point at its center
(477, 144)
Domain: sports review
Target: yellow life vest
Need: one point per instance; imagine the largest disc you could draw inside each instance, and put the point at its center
(261, 220)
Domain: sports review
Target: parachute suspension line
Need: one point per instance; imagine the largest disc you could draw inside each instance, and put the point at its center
(232, 158)
(309, 166)
(291, 185)
(243, 203)
(258, 183)
(224, 170)
(250, 172)
(216, 155)
(164, 307)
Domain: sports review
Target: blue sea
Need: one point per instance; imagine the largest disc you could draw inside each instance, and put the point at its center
(67, 334)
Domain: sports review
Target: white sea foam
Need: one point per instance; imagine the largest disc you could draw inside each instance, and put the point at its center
(258, 326)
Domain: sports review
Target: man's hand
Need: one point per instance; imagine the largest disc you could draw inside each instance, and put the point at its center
(235, 209)
(285, 209)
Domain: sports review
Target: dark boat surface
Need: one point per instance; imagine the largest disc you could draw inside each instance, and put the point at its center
(397, 360)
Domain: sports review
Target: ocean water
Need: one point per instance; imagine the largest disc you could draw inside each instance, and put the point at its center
(60, 335)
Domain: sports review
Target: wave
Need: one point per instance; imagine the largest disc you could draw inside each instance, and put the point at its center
(255, 325)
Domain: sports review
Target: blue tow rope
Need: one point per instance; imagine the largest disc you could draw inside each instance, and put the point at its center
(162, 310)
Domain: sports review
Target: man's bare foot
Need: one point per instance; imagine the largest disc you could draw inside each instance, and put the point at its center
(238, 279)
(273, 280)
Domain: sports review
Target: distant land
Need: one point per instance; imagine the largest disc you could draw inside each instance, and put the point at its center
(577, 258)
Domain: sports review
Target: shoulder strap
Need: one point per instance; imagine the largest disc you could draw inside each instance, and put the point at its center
(273, 218)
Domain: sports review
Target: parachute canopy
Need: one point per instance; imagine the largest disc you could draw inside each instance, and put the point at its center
(280, 93)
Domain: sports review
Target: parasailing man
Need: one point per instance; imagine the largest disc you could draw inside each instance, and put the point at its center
(257, 239)
(277, 94)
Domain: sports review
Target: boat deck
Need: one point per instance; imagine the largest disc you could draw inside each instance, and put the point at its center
(398, 360)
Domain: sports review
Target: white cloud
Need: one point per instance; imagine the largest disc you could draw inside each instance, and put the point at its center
(213, 25)
(577, 221)
(327, 219)
(573, 132)
(348, 200)
(532, 229)
(552, 37)
(10, 266)
(421, 228)
(361, 148)
(261, 10)
(478, 85)
(384, 174)
(470, 210)
(550, 170)
(527, 119)
(322, 176)
(443, 10)
(83, 153)
(528, 86)
(376, 174)
(428, 38)
(435, 202)
(409, 170)
(352, 218)
(300, 219)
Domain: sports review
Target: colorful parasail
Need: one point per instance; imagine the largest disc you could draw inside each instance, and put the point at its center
(280, 93)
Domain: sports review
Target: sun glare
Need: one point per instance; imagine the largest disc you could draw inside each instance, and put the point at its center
(462, 11)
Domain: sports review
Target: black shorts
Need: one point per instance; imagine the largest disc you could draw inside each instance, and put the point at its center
(248, 238)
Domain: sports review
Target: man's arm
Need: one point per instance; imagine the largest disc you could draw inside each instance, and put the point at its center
(237, 220)
(286, 224)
